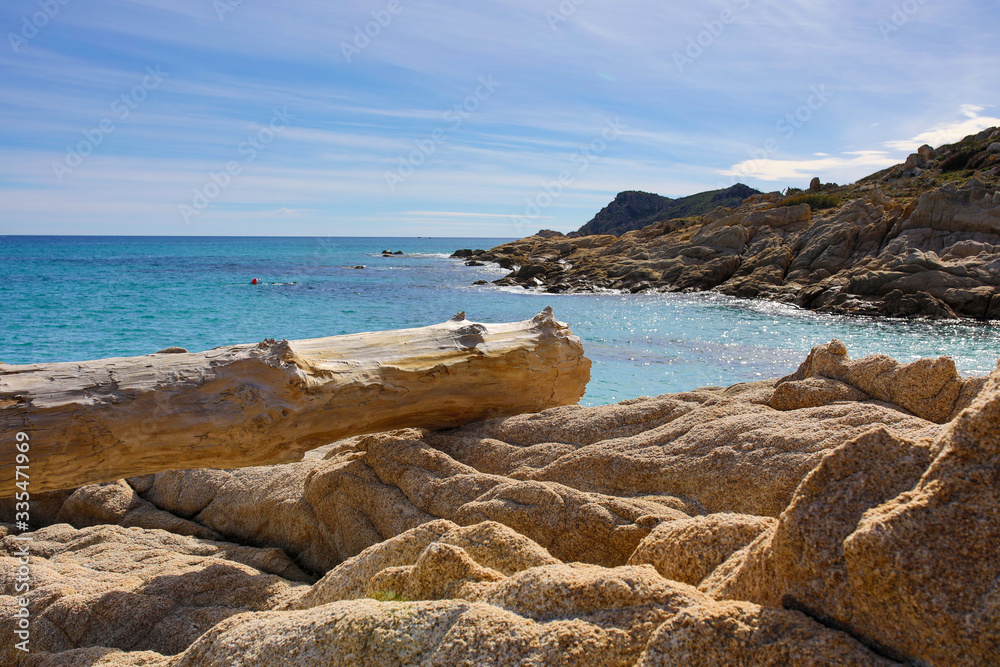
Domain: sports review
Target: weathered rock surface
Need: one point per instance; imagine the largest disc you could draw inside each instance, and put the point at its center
(447, 605)
(929, 388)
(894, 540)
(688, 550)
(133, 589)
(253, 404)
(839, 529)
(913, 241)
(588, 484)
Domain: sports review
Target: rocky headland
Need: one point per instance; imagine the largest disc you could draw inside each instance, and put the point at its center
(921, 239)
(848, 514)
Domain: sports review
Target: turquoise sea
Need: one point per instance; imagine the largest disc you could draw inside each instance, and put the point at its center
(74, 298)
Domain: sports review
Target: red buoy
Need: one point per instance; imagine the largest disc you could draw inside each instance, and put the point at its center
(254, 282)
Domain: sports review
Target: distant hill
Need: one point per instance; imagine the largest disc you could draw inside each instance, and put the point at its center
(920, 239)
(635, 210)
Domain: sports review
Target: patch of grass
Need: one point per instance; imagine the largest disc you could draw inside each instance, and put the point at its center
(816, 202)
(387, 596)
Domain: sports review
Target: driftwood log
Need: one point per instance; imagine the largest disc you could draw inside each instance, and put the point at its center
(248, 405)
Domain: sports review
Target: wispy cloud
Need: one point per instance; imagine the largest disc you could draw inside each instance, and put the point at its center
(452, 214)
(851, 165)
(949, 132)
(686, 132)
(847, 167)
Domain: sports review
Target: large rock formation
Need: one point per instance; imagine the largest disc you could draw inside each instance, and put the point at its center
(635, 210)
(895, 540)
(134, 589)
(915, 241)
(836, 528)
(255, 404)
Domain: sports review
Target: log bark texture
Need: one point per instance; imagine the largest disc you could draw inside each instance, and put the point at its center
(249, 405)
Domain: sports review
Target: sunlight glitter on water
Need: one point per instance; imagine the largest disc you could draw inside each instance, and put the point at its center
(74, 298)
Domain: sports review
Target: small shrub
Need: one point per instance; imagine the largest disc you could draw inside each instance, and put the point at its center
(816, 201)
(388, 596)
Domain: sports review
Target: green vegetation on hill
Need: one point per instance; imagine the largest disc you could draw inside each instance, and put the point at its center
(634, 210)
(816, 201)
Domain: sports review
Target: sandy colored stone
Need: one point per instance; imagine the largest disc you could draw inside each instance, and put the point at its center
(558, 615)
(553, 614)
(800, 562)
(723, 455)
(491, 545)
(738, 633)
(688, 550)
(113, 542)
(118, 503)
(96, 657)
(442, 571)
(929, 388)
(813, 392)
(399, 483)
(586, 483)
(257, 506)
(448, 547)
(136, 590)
(932, 555)
(895, 541)
(262, 506)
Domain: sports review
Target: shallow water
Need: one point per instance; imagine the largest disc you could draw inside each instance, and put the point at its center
(75, 298)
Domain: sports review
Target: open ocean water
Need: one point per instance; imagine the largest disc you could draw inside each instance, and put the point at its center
(73, 298)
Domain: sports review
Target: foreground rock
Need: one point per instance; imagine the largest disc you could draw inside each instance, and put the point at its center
(136, 590)
(919, 240)
(838, 529)
(268, 403)
(587, 483)
(444, 595)
(895, 540)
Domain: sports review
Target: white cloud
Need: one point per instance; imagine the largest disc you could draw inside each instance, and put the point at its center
(846, 167)
(455, 214)
(851, 165)
(948, 132)
(291, 212)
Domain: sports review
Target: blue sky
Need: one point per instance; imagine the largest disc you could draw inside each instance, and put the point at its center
(495, 118)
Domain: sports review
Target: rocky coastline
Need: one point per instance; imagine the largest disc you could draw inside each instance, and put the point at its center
(919, 240)
(846, 514)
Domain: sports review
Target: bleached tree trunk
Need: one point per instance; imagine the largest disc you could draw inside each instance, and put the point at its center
(249, 405)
